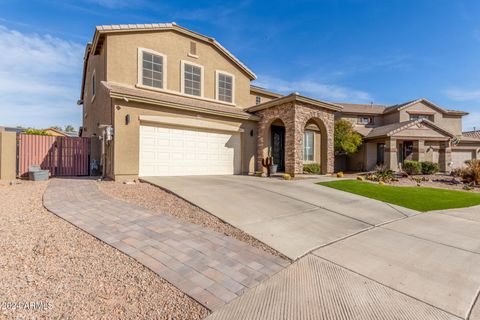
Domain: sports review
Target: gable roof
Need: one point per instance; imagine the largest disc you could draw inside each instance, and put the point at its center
(379, 109)
(174, 101)
(295, 97)
(403, 106)
(121, 28)
(391, 129)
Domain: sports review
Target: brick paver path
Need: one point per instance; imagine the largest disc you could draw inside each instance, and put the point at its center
(208, 266)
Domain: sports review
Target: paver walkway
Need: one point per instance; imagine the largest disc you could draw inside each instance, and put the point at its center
(208, 266)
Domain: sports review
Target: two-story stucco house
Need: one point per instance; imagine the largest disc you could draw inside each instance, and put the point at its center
(162, 100)
(416, 130)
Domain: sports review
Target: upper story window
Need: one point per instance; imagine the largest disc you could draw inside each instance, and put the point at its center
(258, 100)
(365, 120)
(192, 79)
(152, 68)
(225, 86)
(308, 145)
(419, 117)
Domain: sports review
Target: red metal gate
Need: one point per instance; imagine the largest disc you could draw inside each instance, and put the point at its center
(62, 156)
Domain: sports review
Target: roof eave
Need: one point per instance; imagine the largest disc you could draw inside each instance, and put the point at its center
(295, 97)
(129, 97)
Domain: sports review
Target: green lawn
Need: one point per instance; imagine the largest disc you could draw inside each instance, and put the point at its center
(416, 198)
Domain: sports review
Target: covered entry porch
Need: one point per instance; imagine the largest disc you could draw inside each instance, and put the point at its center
(295, 130)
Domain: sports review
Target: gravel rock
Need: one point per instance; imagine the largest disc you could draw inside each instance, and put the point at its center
(51, 269)
(163, 202)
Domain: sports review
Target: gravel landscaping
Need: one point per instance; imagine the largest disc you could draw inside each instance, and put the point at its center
(51, 269)
(161, 201)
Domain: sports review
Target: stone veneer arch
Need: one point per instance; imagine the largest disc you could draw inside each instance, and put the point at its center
(295, 116)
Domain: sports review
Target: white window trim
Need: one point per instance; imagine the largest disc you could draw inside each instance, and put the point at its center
(360, 120)
(140, 68)
(182, 78)
(93, 84)
(313, 147)
(217, 74)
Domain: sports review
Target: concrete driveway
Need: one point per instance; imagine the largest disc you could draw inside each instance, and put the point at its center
(365, 260)
(293, 217)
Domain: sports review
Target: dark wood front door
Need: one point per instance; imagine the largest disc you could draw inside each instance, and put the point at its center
(278, 146)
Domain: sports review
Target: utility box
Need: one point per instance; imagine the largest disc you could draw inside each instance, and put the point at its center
(35, 173)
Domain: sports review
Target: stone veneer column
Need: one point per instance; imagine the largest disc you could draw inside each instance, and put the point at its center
(445, 156)
(391, 154)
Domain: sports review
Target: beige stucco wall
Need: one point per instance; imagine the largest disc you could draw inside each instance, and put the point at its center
(252, 99)
(127, 137)
(450, 123)
(122, 63)
(8, 155)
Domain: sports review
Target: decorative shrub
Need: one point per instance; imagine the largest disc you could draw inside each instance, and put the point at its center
(286, 176)
(37, 132)
(360, 178)
(312, 168)
(382, 173)
(471, 173)
(340, 174)
(429, 167)
(412, 167)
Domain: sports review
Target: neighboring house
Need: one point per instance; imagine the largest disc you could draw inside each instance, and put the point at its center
(159, 99)
(60, 133)
(12, 129)
(416, 130)
(162, 100)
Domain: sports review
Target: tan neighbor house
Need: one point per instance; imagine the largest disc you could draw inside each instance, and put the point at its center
(416, 130)
(162, 100)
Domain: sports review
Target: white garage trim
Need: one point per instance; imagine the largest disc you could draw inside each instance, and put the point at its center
(190, 122)
(167, 150)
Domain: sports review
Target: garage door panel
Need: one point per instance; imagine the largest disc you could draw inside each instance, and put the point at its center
(166, 151)
(460, 156)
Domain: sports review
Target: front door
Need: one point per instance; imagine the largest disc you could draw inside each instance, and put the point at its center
(278, 146)
(380, 154)
(408, 150)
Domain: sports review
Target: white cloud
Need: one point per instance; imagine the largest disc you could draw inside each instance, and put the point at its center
(315, 89)
(39, 79)
(461, 94)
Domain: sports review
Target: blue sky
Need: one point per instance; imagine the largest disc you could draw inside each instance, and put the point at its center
(344, 51)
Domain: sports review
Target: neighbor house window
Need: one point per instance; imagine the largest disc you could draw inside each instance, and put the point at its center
(419, 117)
(308, 146)
(365, 120)
(192, 79)
(224, 87)
(258, 100)
(152, 69)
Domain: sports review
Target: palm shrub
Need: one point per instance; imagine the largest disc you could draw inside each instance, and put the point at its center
(412, 167)
(429, 167)
(471, 173)
(312, 168)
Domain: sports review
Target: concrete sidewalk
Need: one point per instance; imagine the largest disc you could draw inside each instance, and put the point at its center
(210, 267)
(293, 217)
(422, 267)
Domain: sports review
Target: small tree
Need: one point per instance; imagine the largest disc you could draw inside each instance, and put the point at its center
(69, 128)
(346, 139)
(37, 132)
(57, 128)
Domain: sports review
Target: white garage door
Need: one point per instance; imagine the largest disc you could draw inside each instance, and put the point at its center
(460, 156)
(170, 151)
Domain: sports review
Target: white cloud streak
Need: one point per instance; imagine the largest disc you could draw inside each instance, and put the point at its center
(39, 79)
(330, 92)
(462, 94)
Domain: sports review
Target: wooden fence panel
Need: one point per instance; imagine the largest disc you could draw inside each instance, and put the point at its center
(62, 156)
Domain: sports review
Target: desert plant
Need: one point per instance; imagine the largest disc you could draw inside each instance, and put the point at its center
(267, 163)
(383, 173)
(360, 178)
(312, 168)
(471, 173)
(286, 176)
(429, 167)
(412, 167)
(340, 174)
